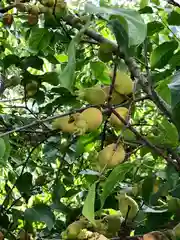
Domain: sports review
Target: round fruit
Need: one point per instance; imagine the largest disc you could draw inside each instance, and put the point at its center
(176, 230)
(34, 10)
(116, 97)
(32, 19)
(74, 229)
(93, 95)
(173, 204)
(114, 223)
(31, 88)
(123, 83)
(21, 7)
(50, 3)
(105, 52)
(127, 206)
(155, 235)
(115, 121)
(60, 9)
(8, 19)
(93, 118)
(66, 124)
(111, 156)
(42, 8)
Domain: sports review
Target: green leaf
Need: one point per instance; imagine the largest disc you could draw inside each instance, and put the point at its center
(39, 39)
(51, 78)
(164, 91)
(119, 30)
(175, 90)
(147, 188)
(161, 55)
(136, 30)
(10, 60)
(174, 18)
(144, 3)
(32, 61)
(175, 60)
(24, 183)
(117, 175)
(154, 27)
(67, 76)
(2, 147)
(88, 208)
(40, 213)
(99, 71)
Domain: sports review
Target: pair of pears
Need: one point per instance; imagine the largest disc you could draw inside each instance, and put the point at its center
(99, 95)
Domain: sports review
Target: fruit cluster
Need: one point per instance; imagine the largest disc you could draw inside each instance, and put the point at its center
(108, 225)
(123, 87)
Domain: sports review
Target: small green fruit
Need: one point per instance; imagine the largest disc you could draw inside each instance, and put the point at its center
(176, 230)
(31, 88)
(105, 52)
(74, 229)
(2, 147)
(128, 206)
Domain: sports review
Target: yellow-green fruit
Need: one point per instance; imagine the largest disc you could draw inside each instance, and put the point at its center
(21, 7)
(116, 97)
(115, 121)
(93, 118)
(66, 124)
(170, 234)
(84, 234)
(105, 52)
(74, 229)
(31, 88)
(111, 156)
(176, 230)
(155, 235)
(32, 19)
(123, 83)
(93, 95)
(42, 8)
(173, 204)
(60, 9)
(34, 10)
(114, 223)
(127, 206)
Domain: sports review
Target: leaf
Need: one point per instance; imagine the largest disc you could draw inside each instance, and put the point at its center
(67, 76)
(136, 30)
(175, 60)
(58, 191)
(161, 55)
(144, 3)
(119, 30)
(51, 78)
(39, 39)
(99, 72)
(147, 188)
(174, 18)
(154, 27)
(164, 91)
(24, 183)
(2, 147)
(10, 60)
(32, 61)
(40, 213)
(88, 208)
(174, 86)
(117, 175)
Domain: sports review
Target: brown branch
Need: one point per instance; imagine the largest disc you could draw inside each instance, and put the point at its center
(147, 142)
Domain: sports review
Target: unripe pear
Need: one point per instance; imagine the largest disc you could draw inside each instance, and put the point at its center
(66, 124)
(34, 10)
(32, 19)
(123, 83)
(115, 121)
(74, 229)
(173, 204)
(31, 88)
(116, 97)
(114, 223)
(105, 52)
(111, 156)
(155, 235)
(93, 95)
(8, 19)
(128, 206)
(176, 230)
(93, 117)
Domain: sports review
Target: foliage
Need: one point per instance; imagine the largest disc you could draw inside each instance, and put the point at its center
(59, 61)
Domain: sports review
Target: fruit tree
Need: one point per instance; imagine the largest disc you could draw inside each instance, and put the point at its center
(90, 120)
